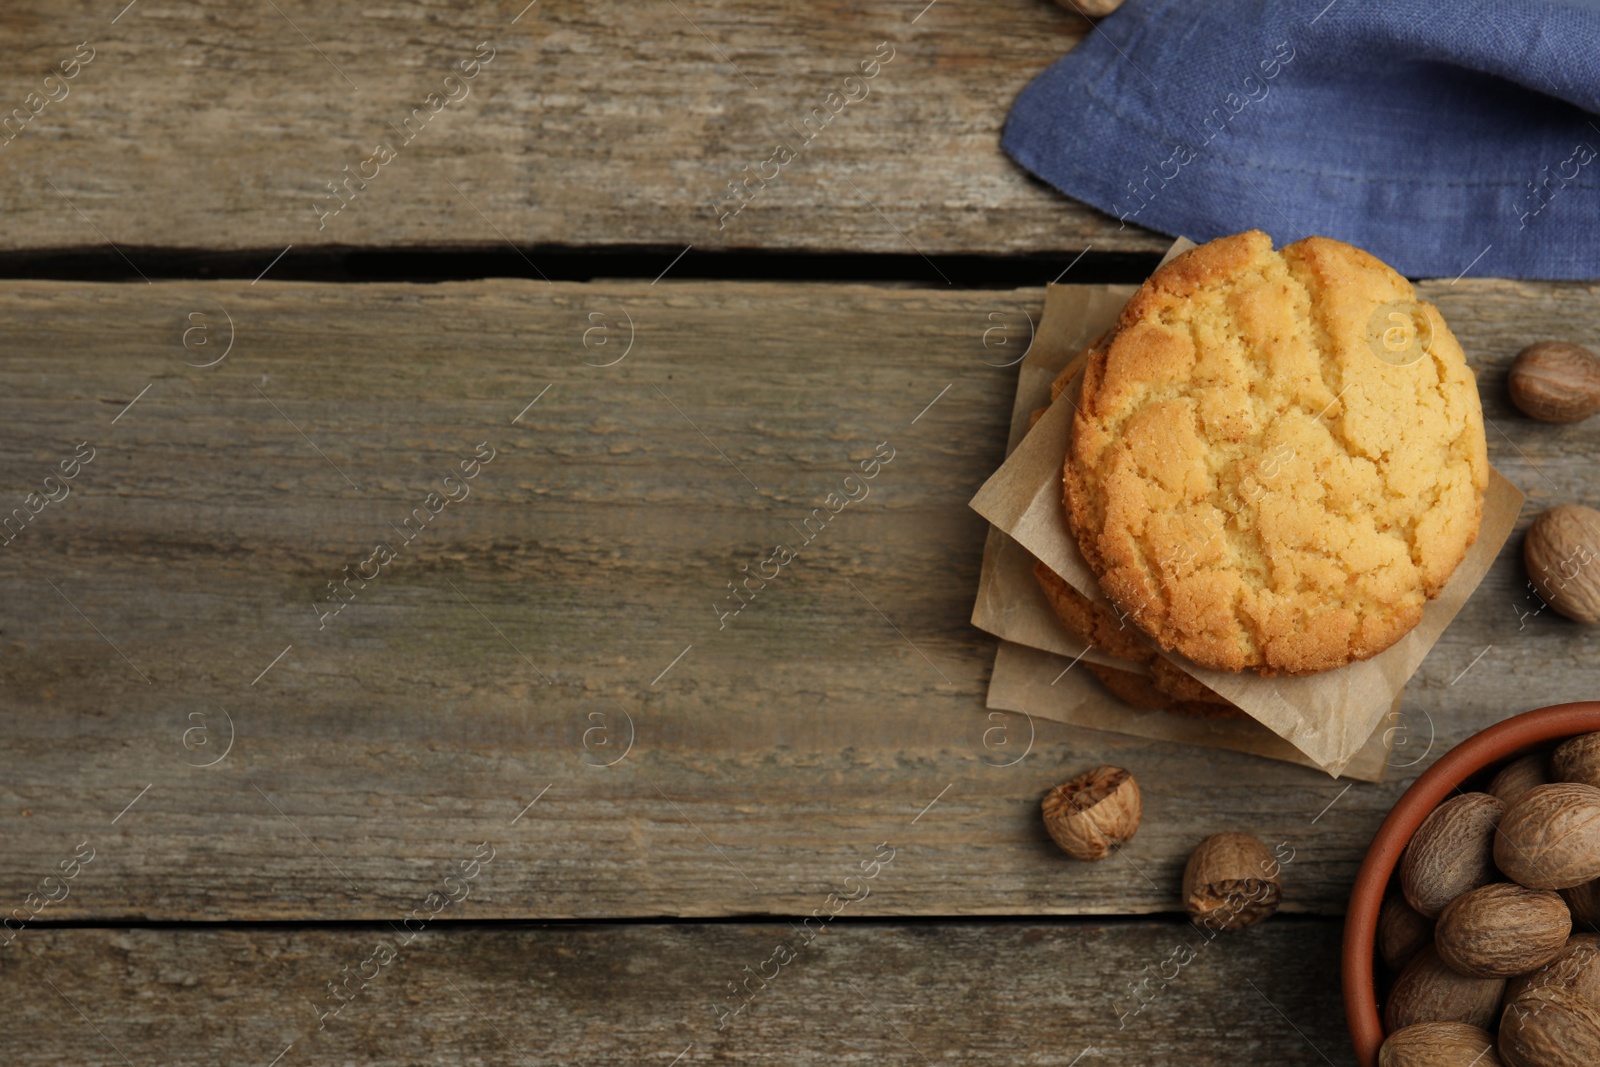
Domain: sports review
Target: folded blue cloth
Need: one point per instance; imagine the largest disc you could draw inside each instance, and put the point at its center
(1445, 139)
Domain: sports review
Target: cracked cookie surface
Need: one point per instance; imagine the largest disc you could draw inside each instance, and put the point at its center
(1277, 458)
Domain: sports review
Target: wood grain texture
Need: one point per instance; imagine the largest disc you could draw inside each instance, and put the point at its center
(219, 126)
(841, 709)
(868, 993)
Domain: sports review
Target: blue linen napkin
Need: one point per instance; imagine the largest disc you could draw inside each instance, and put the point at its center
(1446, 139)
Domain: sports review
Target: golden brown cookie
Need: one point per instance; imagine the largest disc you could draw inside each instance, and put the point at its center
(1063, 378)
(1166, 686)
(1129, 687)
(1096, 625)
(1139, 691)
(1180, 685)
(1200, 709)
(1278, 458)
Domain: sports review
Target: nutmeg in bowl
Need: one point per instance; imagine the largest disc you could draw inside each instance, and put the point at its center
(1469, 767)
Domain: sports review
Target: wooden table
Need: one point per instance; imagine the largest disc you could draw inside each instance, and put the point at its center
(513, 791)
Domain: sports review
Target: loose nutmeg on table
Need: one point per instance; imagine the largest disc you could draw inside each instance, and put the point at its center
(1230, 882)
(1093, 9)
(1554, 381)
(1093, 813)
(1562, 554)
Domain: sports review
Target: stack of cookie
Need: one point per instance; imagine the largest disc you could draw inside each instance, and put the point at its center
(1277, 458)
(1149, 681)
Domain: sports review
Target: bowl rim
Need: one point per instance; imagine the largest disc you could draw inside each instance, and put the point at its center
(1490, 745)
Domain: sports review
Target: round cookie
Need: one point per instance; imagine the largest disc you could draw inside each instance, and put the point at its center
(1129, 687)
(1182, 686)
(1096, 625)
(1203, 709)
(1278, 458)
(1139, 691)
(1166, 686)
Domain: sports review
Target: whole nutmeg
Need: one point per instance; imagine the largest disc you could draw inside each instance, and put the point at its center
(1562, 554)
(1553, 381)
(1451, 852)
(1095, 812)
(1577, 759)
(1550, 1018)
(1572, 953)
(1091, 8)
(1517, 777)
(1502, 930)
(1439, 1045)
(1230, 882)
(1550, 838)
(1584, 903)
(1429, 991)
(1402, 931)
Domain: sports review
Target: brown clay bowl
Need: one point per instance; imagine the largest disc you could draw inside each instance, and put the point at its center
(1473, 760)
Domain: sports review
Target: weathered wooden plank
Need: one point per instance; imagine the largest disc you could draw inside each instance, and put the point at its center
(1007, 994)
(221, 126)
(464, 681)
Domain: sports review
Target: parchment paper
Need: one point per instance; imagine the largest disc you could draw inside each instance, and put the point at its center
(1022, 681)
(1329, 717)
(1010, 603)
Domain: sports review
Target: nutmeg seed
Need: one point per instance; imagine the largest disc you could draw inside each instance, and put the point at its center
(1402, 931)
(1550, 838)
(1549, 1018)
(1502, 930)
(1577, 759)
(1584, 903)
(1517, 777)
(1439, 1045)
(1554, 381)
(1562, 554)
(1451, 852)
(1230, 882)
(1094, 9)
(1428, 991)
(1093, 813)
